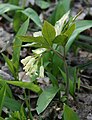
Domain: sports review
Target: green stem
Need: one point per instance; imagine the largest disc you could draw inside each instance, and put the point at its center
(67, 77)
(28, 105)
(66, 71)
(58, 54)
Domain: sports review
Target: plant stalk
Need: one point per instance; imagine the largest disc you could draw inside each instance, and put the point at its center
(28, 106)
(58, 54)
(66, 71)
(67, 77)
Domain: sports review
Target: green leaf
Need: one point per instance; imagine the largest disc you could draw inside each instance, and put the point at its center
(69, 114)
(12, 104)
(2, 96)
(61, 8)
(1, 118)
(84, 45)
(28, 85)
(10, 64)
(61, 39)
(8, 7)
(8, 90)
(70, 30)
(19, 18)
(17, 44)
(66, 5)
(17, 21)
(40, 41)
(60, 23)
(80, 27)
(53, 79)
(71, 89)
(15, 116)
(22, 113)
(48, 32)
(14, 2)
(85, 38)
(56, 63)
(30, 13)
(42, 4)
(45, 98)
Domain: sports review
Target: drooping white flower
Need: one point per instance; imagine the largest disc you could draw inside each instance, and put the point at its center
(29, 64)
(41, 74)
(39, 50)
(32, 70)
(26, 60)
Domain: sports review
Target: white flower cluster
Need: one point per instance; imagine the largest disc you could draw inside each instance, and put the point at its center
(30, 65)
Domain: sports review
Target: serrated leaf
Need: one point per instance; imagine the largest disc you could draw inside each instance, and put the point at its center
(45, 98)
(5, 7)
(28, 85)
(69, 114)
(30, 13)
(80, 27)
(48, 32)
